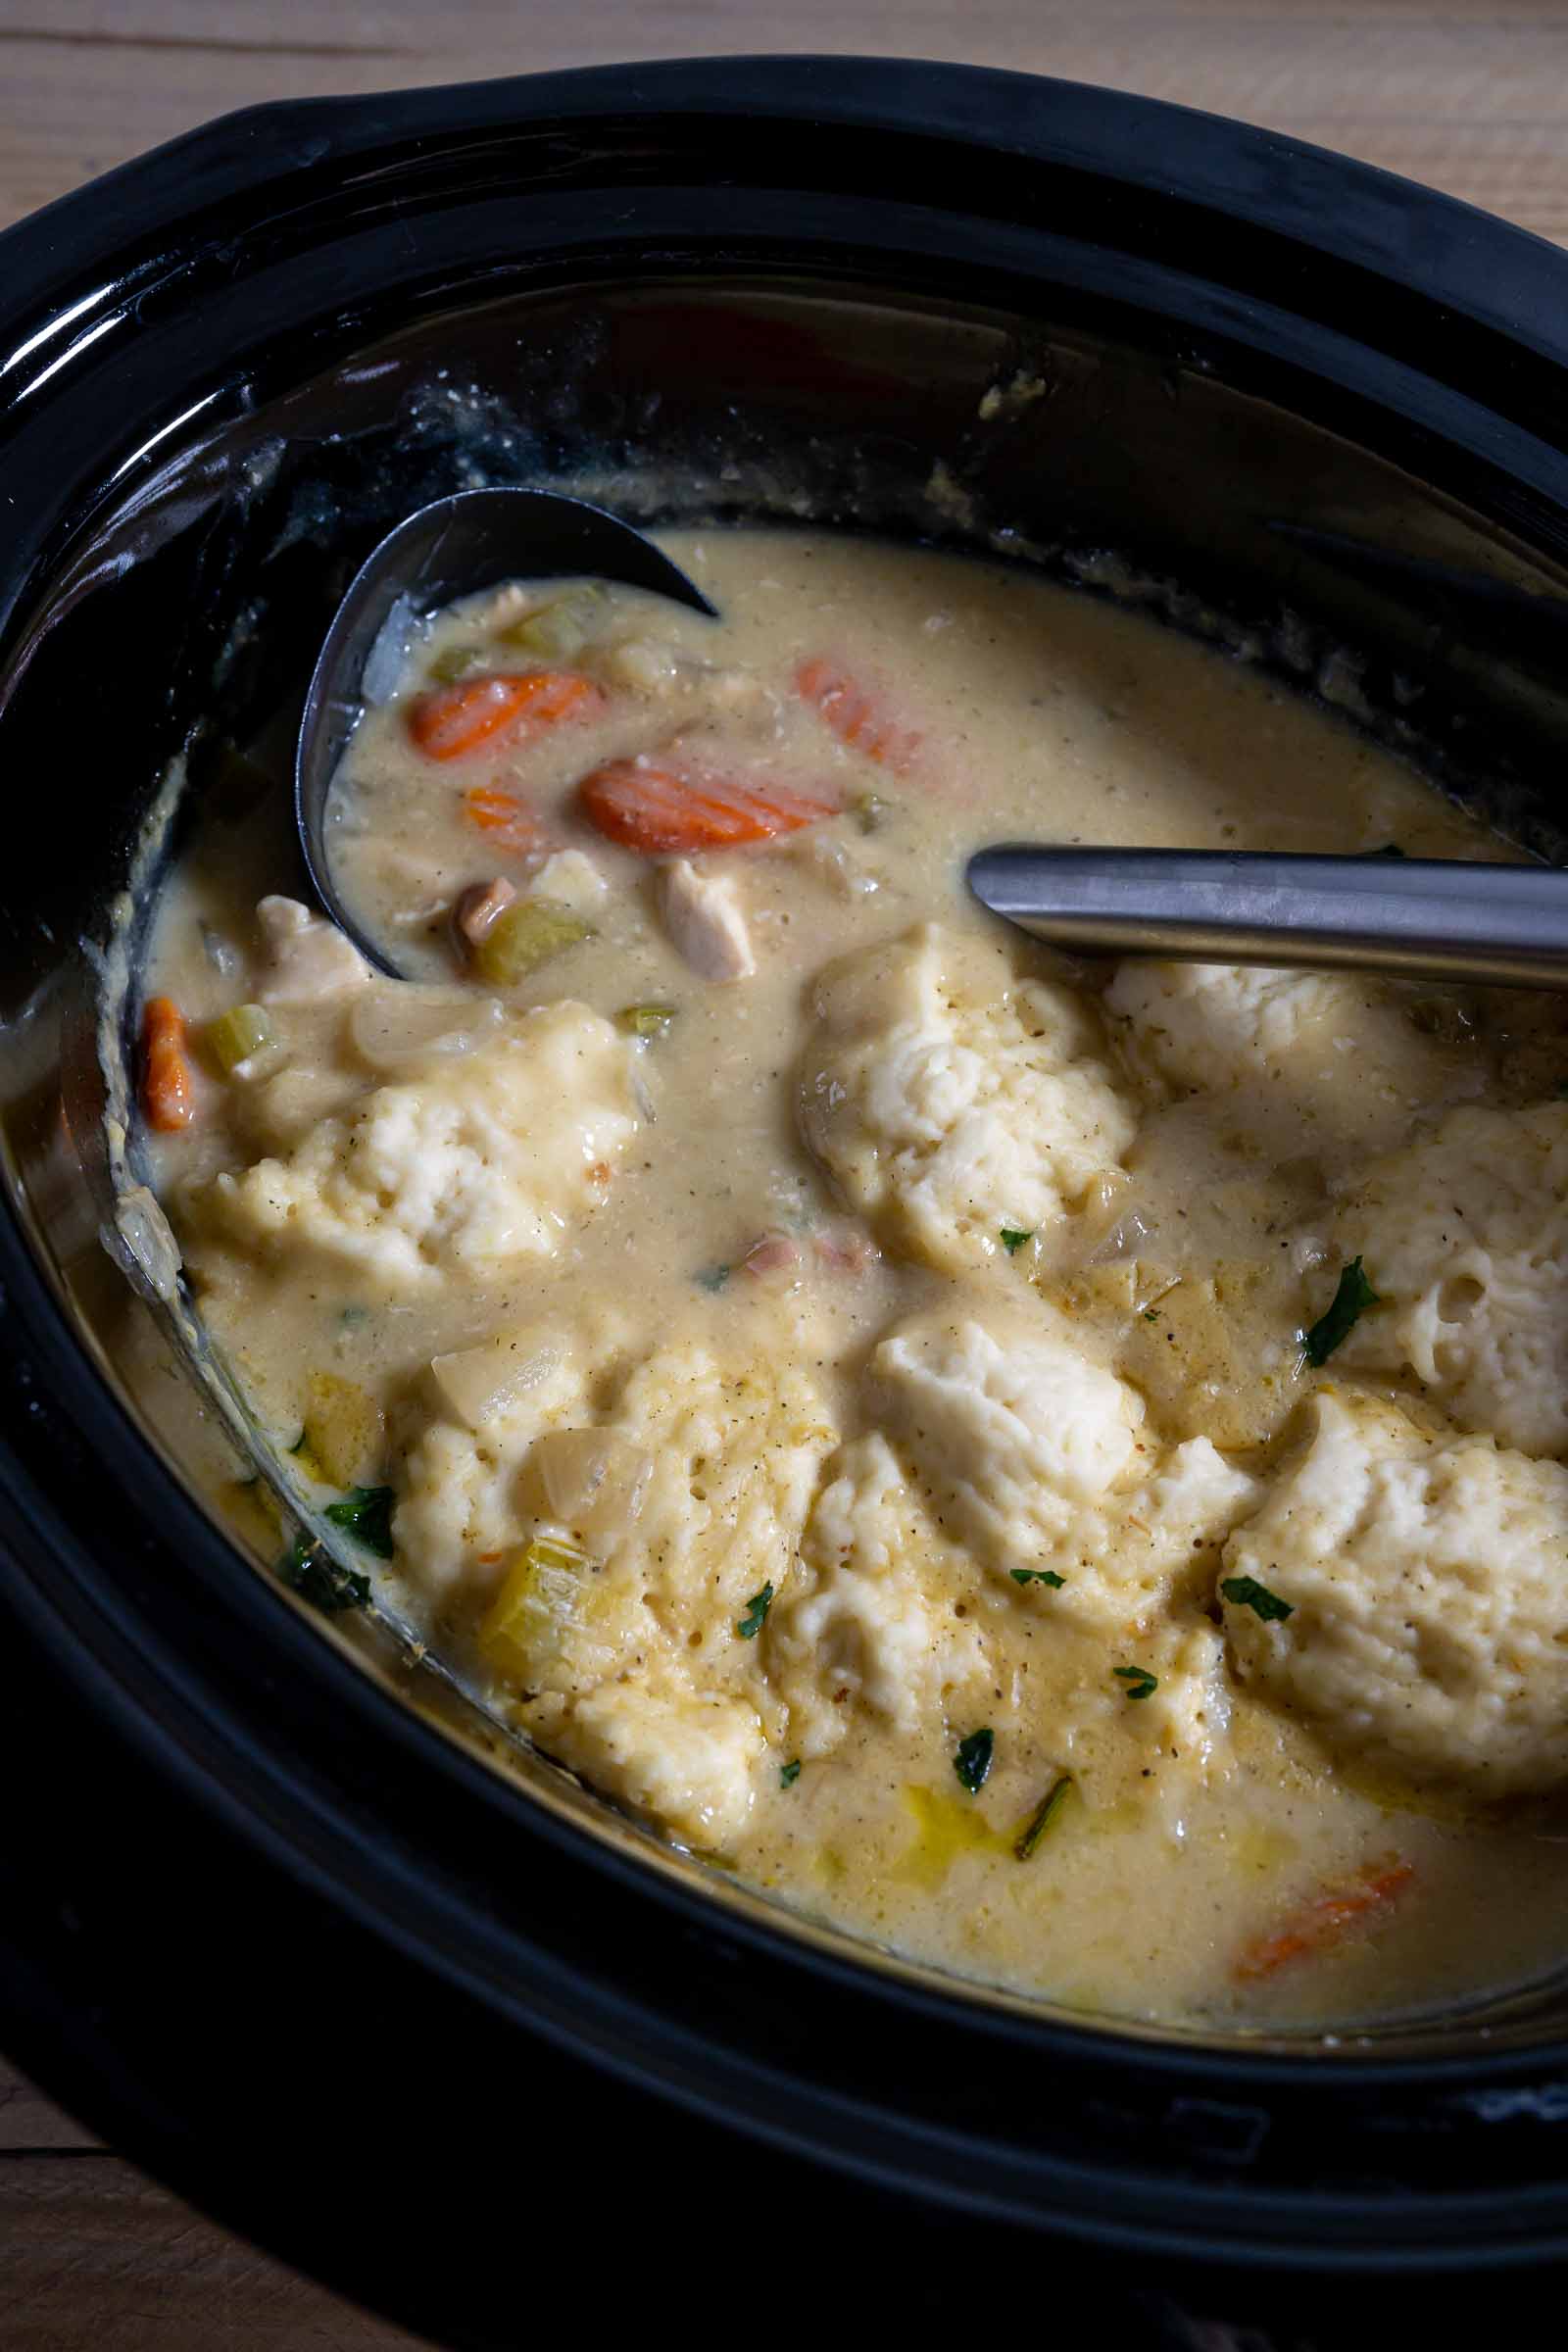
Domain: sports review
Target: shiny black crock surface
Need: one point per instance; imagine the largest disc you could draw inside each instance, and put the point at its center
(407, 2020)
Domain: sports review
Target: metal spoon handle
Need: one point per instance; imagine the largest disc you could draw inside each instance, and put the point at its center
(1433, 918)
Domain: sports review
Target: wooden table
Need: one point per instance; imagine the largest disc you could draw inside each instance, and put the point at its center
(1472, 100)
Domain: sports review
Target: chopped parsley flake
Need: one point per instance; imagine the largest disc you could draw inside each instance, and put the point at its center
(365, 1514)
(756, 1617)
(789, 1773)
(1040, 1819)
(713, 1278)
(972, 1763)
(1150, 1314)
(1345, 1310)
(1013, 1241)
(1038, 1576)
(1248, 1593)
(316, 1577)
(1140, 1683)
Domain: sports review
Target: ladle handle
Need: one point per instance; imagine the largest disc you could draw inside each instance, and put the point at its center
(1419, 918)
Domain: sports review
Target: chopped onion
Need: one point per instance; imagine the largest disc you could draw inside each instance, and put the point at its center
(480, 1382)
(395, 1023)
(592, 1482)
(1129, 1237)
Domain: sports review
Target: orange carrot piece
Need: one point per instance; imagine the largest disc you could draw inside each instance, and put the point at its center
(854, 715)
(453, 720)
(509, 824)
(1323, 1920)
(658, 810)
(167, 1082)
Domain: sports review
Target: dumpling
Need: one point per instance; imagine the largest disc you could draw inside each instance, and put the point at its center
(1424, 1577)
(870, 1619)
(950, 1094)
(1035, 1457)
(1464, 1236)
(1334, 1058)
(613, 1626)
(468, 1163)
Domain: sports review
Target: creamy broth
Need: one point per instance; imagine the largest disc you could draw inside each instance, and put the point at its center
(949, 1299)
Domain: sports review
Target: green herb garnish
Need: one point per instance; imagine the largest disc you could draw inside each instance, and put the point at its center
(646, 1020)
(756, 1617)
(1038, 1576)
(713, 1278)
(1013, 1241)
(1150, 1314)
(1140, 1683)
(365, 1514)
(789, 1773)
(1350, 1303)
(1040, 1819)
(972, 1763)
(1248, 1593)
(316, 1577)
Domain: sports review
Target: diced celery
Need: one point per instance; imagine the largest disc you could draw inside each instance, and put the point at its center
(647, 1020)
(524, 1631)
(526, 935)
(562, 626)
(455, 662)
(237, 1034)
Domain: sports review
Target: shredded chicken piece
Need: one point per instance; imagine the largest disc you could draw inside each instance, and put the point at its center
(704, 920)
(308, 958)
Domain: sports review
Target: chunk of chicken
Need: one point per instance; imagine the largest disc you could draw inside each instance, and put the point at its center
(307, 958)
(703, 916)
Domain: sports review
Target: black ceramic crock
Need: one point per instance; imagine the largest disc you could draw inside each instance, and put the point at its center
(446, 2036)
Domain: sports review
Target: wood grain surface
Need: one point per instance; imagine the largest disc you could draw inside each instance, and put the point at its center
(1473, 99)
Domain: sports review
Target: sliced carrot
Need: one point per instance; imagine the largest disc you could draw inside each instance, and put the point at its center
(167, 1082)
(656, 810)
(509, 824)
(453, 720)
(854, 715)
(1322, 1921)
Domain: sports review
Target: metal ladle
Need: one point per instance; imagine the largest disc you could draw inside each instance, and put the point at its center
(1430, 919)
(455, 546)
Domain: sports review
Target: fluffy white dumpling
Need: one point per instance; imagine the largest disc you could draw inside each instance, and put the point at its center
(1464, 1236)
(864, 1620)
(1335, 1055)
(618, 1648)
(468, 1163)
(951, 1094)
(686, 1756)
(1427, 1596)
(1036, 1457)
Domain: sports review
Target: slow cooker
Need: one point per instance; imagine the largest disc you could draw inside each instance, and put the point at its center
(458, 2038)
